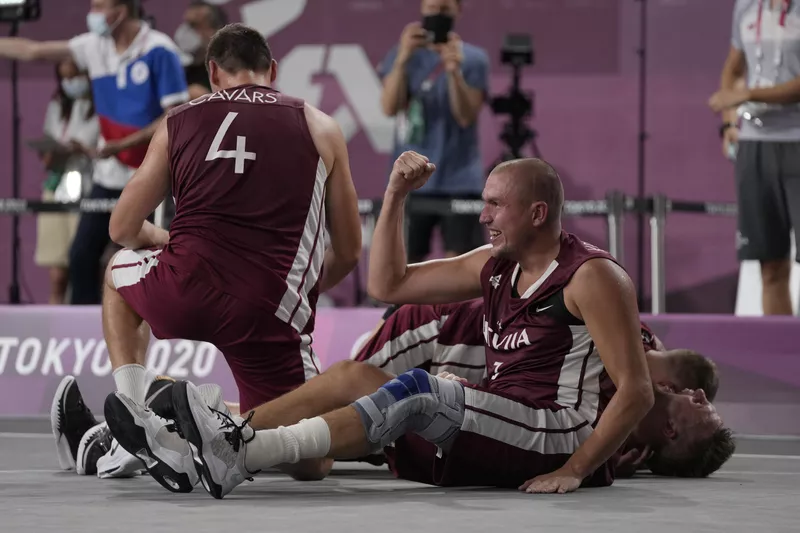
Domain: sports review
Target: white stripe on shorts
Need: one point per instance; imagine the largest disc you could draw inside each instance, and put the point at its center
(408, 350)
(538, 430)
(311, 364)
(131, 266)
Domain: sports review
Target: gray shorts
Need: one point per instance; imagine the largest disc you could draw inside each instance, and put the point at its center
(768, 189)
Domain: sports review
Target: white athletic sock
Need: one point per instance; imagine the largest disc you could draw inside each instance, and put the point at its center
(309, 439)
(130, 380)
(149, 378)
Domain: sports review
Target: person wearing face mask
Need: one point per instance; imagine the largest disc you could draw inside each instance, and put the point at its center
(70, 120)
(435, 84)
(136, 76)
(200, 21)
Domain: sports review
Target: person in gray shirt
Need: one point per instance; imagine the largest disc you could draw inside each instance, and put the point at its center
(765, 48)
(436, 91)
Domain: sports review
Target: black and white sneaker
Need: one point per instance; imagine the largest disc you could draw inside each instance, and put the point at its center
(159, 397)
(156, 441)
(70, 419)
(217, 439)
(95, 443)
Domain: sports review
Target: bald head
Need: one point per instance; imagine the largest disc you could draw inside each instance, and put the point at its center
(535, 180)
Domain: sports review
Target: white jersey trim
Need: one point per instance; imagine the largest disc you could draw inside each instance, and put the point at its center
(295, 308)
(579, 381)
(543, 431)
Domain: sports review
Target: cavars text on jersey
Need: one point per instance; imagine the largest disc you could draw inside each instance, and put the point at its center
(238, 95)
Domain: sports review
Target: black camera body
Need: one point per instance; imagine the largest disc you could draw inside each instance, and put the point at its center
(517, 52)
(438, 27)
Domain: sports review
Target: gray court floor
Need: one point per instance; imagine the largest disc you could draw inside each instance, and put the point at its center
(753, 493)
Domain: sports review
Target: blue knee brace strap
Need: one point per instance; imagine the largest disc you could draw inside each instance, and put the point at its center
(414, 402)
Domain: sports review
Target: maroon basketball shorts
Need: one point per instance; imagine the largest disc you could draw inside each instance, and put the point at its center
(502, 443)
(266, 356)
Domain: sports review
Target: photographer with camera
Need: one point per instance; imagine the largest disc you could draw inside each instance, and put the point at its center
(435, 84)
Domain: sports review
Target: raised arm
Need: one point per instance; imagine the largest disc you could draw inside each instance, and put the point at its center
(391, 279)
(602, 295)
(28, 50)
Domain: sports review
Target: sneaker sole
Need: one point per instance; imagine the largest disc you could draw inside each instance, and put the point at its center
(133, 438)
(88, 442)
(191, 432)
(65, 459)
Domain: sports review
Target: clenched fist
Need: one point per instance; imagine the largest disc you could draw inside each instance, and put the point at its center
(410, 172)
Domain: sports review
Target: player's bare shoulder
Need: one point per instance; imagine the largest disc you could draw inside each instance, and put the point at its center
(598, 270)
(326, 134)
(596, 279)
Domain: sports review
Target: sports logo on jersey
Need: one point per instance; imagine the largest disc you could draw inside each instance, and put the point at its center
(495, 281)
(591, 247)
(140, 72)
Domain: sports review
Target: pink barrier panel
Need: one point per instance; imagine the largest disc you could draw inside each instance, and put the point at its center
(759, 359)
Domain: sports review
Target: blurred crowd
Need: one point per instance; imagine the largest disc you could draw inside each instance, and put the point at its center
(435, 83)
(86, 154)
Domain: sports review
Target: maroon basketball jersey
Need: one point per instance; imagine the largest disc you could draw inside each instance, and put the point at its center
(536, 350)
(249, 190)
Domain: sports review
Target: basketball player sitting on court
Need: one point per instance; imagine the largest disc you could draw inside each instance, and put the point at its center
(447, 340)
(568, 376)
(256, 174)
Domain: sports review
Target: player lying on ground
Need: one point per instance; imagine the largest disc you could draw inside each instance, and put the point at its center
(568, 380)
(449, 339)
(256, 174)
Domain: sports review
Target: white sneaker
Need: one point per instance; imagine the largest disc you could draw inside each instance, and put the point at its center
(216, 440)
(154, 440)
(118, 463)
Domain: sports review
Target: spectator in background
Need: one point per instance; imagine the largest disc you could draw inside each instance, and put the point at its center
(136, 77)
(200, 22)
(766, 49)
(70, 120)
(437, 91)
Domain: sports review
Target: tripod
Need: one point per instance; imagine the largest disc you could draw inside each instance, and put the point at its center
(517, 52)
(14, 287)
(16, 12)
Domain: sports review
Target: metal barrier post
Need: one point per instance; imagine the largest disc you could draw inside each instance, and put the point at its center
(614, 219)
(658, 222)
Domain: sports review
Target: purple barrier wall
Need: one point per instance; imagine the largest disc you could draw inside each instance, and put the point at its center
(585, 80)
(758, 359)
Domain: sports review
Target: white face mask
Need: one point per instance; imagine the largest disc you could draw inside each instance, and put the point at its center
(96, 22)
(75, 88)
(187, 39)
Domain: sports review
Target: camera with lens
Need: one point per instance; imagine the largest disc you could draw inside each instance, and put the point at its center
(517, 52)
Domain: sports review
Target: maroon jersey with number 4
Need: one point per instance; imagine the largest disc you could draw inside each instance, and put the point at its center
(536, 350)
(249, 188)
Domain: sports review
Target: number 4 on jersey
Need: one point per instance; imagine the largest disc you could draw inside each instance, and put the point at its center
(240, 154)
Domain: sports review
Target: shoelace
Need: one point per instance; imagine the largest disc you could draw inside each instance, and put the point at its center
(234, 435)
(174, 427)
